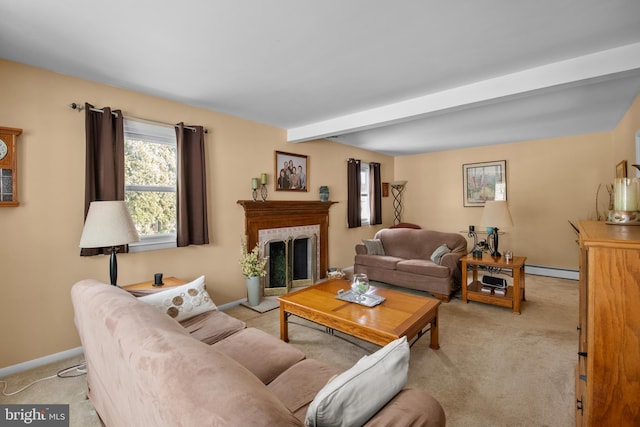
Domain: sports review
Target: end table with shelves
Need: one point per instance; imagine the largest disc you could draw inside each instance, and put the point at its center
(472, 291)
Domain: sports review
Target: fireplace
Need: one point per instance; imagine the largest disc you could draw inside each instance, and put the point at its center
(295, 236)
(293, 257)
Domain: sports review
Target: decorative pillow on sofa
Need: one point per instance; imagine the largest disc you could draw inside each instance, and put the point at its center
(182, 302)
(437, 255)
(374, 246)
(356, 395)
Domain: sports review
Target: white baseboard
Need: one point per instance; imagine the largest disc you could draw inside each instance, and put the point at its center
(560, 273)
(52, 358)
(35, 363)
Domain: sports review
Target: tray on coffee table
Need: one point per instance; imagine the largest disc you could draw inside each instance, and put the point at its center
(368, 300)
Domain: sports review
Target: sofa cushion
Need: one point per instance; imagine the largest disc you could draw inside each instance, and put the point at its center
(424, 268)
(406, 225)
(297, 386)
(212, 326)
(378, 261)
(400, 411)
(262, 354)
(182, 302)
(439, 252)
(357, 394)
(418, 244)
(374, 246)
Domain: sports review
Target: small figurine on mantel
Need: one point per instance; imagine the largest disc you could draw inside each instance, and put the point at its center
(324, 193)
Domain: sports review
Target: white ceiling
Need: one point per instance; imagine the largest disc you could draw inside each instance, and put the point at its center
(397, 77)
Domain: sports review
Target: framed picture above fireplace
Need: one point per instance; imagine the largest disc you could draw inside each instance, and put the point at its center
(291, 172)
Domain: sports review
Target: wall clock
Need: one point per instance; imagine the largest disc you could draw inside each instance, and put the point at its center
(9, 166)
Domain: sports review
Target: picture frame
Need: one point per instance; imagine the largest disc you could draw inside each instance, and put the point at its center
(284, 175)
(484, 182)
(621, 169)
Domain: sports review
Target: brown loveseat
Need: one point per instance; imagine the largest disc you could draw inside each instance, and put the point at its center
(407, 260)
(146, 369)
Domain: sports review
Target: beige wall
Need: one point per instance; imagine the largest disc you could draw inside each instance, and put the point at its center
(39, 259)
(549, 182)
(546, 186)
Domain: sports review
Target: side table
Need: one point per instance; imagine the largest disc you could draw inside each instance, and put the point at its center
(472, 291)
(146, 288)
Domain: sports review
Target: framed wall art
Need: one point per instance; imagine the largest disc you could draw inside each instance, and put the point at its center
(484, 181)
(291, 172)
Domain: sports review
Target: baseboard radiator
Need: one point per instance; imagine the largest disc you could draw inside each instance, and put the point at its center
(560, 273)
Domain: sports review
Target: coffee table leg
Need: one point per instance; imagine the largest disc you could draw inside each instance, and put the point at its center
(435, 344)
(284, 325)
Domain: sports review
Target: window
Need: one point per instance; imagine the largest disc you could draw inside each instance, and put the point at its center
(365, 205)
(150, 163)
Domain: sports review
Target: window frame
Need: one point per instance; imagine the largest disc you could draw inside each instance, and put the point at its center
(365, 194)
(155, 134)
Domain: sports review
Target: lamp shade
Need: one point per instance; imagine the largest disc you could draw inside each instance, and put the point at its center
(496, 214)
(108, 224)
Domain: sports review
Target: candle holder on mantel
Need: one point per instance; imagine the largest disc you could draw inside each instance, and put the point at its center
(254, 188)
(263, 192)
(625, 202)
(263, 186)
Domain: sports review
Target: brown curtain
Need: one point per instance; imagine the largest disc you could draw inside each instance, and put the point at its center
(104, 171)
(375, 194)
(353, 193)
(193, 228)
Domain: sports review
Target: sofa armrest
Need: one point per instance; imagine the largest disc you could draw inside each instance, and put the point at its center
(452, 260)
(361, 249)
(410, 407)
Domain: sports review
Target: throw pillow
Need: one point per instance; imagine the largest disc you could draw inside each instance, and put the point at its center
(182, 302)
(374, 246)
(436, 256)
(356, 395)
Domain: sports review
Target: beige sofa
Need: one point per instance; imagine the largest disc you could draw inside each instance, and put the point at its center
(145, 368)
(407, 260)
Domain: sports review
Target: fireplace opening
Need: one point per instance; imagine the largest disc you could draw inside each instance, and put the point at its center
(277, 271)
(292, 263)
(300, 259)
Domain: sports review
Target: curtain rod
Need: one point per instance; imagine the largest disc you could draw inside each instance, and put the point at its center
(75, 106)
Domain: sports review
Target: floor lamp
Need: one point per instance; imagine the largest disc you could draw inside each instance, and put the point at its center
(109, 225)
(397, 187)
(496, 215)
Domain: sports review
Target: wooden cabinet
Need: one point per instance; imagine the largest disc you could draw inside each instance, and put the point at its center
(608, 371)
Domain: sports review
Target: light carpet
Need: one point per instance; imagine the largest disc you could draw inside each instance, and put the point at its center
(493, 368)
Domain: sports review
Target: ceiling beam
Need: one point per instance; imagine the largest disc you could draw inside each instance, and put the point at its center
(600, 65)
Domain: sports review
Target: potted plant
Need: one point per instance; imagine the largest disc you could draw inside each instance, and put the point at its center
(253, 268)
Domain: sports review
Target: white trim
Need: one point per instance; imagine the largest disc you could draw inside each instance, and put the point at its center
(231, 304)
(41, 361)
(559, 273)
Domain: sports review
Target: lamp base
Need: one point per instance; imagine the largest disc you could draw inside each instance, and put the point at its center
(494, 251)
(113, 267)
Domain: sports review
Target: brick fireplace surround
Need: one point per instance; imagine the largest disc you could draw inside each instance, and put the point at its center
(288, 213)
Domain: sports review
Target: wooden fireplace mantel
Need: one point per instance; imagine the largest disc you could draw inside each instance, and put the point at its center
(288, 213)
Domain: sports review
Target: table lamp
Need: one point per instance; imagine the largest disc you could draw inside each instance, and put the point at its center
(496, 215)
(109, 225)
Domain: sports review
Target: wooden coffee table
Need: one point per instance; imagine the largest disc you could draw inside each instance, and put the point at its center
(401, 314)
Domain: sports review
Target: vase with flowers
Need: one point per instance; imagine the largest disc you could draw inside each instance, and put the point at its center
(253, 268)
